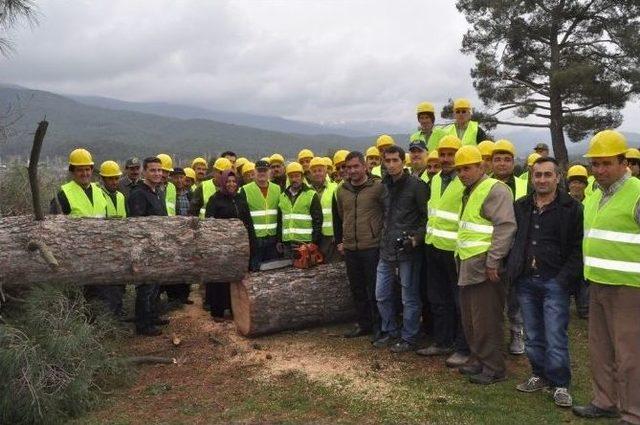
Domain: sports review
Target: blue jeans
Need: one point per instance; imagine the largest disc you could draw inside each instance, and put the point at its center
(545, 310)
(409, 276)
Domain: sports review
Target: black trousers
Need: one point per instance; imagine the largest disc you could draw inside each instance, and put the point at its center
(146, 305)
(361, 272)
(178, 292)
(218, 297)
(443, 294)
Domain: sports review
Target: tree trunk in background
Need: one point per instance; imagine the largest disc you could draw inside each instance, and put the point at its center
(286, 299)
(163, 250)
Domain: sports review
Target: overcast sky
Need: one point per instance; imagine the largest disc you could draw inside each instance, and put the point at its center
(328, 60)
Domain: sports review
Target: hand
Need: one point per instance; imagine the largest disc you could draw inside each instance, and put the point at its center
(280, 247)
(414, 242)
(340, 247)
(492, 275)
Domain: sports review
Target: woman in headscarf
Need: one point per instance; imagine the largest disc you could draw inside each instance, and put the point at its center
(226, 203)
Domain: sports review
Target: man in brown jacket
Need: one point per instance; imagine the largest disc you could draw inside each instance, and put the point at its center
(486, 230)
(358, 216)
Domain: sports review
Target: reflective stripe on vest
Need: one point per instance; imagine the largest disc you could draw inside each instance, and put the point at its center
(297, 224)
(475, 232)
(263, 210)
(444, 209)
(80, 204)
(611, 244)
(326, 200)
(118, 210)
(208, 189)
(470, 136)
(170, 198)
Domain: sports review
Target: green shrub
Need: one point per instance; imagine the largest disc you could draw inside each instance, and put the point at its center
(15, 193)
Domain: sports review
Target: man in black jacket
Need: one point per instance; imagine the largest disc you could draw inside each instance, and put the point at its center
(545, 259)
(401, 248)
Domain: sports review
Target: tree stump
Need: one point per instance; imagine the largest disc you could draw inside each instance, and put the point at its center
(287, 299)
(85, 251)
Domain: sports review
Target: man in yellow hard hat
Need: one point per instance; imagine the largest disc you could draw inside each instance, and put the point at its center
(207, 188)
(433, 164)
(633, 161)
(299, 213)
(372, 156)
(304, 158)
(382, 143)
(531, 159)
(248, 172)
(239, 167)
(190, 177)
(486, 149)
(542, 149)
(339, 158)
(231, 156)
(441, 235)
(418, 157)
(325, 189)
(485, 233)
(611, 252)
(168, 188)
(427, 133)
(131, 177)
(278, 175)
(467, 130)
(577, 180)
(199, 165)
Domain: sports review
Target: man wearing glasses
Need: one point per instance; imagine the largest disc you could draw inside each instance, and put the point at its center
(464, 128)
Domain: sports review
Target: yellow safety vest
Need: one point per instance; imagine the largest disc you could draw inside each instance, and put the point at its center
(118, 210)
(81, 205)
(208, 189)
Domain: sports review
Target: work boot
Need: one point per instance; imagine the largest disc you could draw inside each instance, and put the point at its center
(561, 397)
(356, 332)
(457, 359)
(470, 369)
(384, 341)
(516, 347)
(533, 384)
(590, 411)
(149, 331)
(402, 346)
(435, 350)
(485, 379)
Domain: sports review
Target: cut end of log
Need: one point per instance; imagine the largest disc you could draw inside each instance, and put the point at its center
(241, 306)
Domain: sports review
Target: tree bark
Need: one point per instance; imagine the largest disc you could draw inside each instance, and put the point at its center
(287, 299)
(164, 250)
(556, 124)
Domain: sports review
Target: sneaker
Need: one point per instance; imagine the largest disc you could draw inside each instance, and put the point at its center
(561, 397)
(516, 347)
(531, 385)
(384, 341)
(456, 360)
(470, 369)
(591, 411)
(435, 350)
(484, 379)
(402, 346)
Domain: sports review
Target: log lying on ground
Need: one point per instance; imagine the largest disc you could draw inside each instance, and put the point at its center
(287, 299)
(165, 250)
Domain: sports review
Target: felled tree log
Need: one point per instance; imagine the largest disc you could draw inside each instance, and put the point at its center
(164, 250)
(287, 299)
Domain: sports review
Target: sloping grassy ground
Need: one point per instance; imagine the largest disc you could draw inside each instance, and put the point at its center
(316, 376)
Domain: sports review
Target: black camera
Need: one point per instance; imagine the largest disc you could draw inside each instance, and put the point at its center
(404, 242)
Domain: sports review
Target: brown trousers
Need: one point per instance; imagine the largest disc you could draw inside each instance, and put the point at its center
(481, 308)
(614, 348)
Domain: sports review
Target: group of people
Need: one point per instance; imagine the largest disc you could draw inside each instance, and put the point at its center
(443, 240)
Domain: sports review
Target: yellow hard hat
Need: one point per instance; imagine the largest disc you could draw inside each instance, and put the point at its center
(433, 156)
(248, 166)
(372, 151)
(449, 142)
(407, 160)
(467, 155)
(110, 169)
(198, 160)
(305, 153)
(340, 156)
(607, 143)
(384, 140)
(328, 162)
(486, 147)
(577, 171)
(222, 164)
(294, 167)
(80, 157)
(316, 160)
(190, 172)
(241, 161)
(503, 145)
(461, 104)
(533, 158)
(276, 157)
(165, 161)
(632, 153)
(425, 107)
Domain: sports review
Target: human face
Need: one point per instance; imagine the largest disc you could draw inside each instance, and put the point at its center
(277, 169)
(543, 152)
(502, 164)
(342, 171)
(469, 174)
(545, 178)
(180, 181)
(462, 116)
(189, 181)
(608, 170)
(447, 157)
(305, 163)
(262, 176)
(425, 122)
(433, 168)
(356, 171)
(249, 176)
(153, 173)
(634, 166)
(486, 163)
(295, 179)
(576, 189)
(372, 161)
(133, 172)
(110, 183)
(418, 157)
(393, 163)
(201, 171)
(165, 176)
(82, 174)
(232, 184)
(318, 174)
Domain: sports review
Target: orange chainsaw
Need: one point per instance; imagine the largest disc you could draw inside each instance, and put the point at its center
(307, 255)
